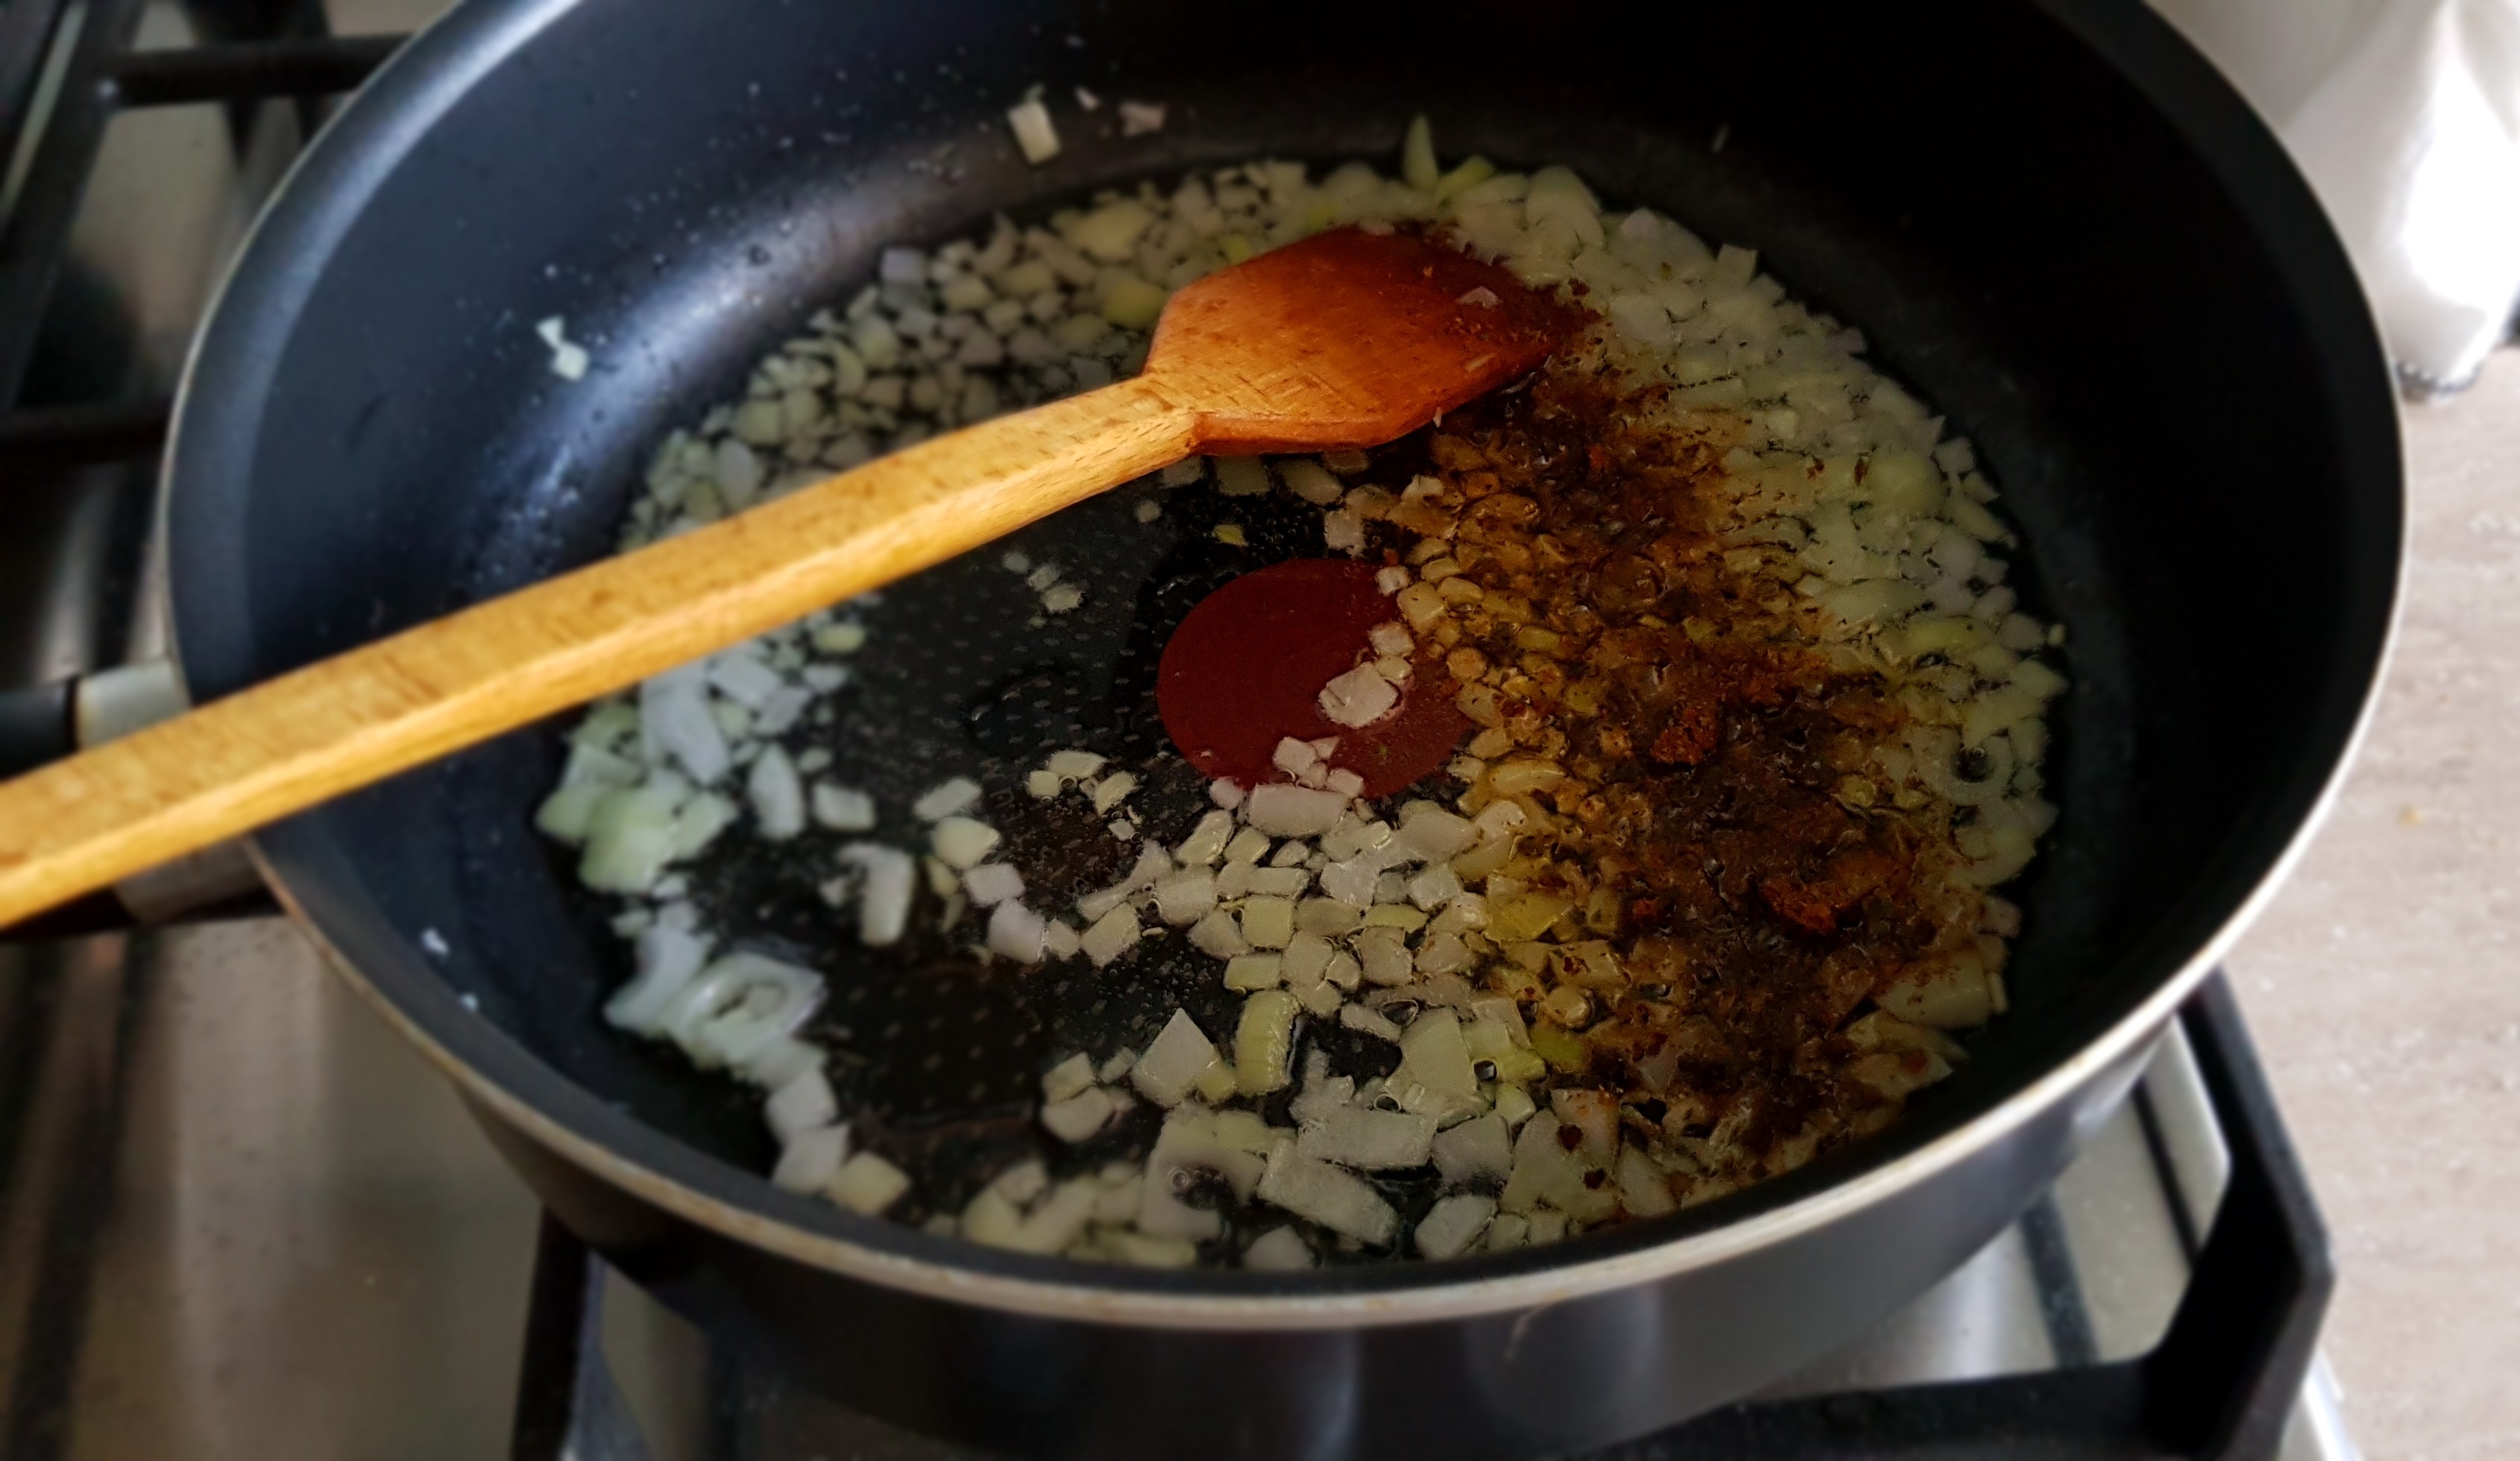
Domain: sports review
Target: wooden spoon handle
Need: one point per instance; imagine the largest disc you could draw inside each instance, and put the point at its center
(283, 747)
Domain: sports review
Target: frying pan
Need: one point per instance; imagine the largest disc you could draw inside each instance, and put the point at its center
(2051, 219)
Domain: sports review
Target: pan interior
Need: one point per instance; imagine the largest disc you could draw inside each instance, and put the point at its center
(2024, 241)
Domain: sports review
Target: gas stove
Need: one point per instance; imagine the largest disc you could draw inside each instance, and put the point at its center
(238, 1215)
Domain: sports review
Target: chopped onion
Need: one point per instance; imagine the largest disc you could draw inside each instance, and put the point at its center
(564, 816)
(777, 797)
(1113, 934)
(593, 766)
(1264, 1042)
(1253, 971)
(1268, 922)
(1078, 1116)
(1432, 834)
(801, 1104)
(1173, 1065)
(890, 880)
(843, 808)
(1067, 1077)
(1280, 1250)
(674, 720)
(737, 1003)
(1358, 697)
(938, 802)
(774, 1063)
(1154, 865)
(667, 958)
(1186, 897)
(960, 843)
(1368, 1022)
(1240, 476)
(1367, 1139)
(1072, 765)
(1036, 136)
(1336, 1200)
(1307, 958)
(1017, 932)
(993, 883)
(1452, 1225)
(1383, 952)
(1111, 790)
(1206, 841)
(868, 1184)
(1311, 481)
(629, 840)
(743, 678)
(1294, 811)
(700, 822)
(811, 1158)
(1217, 936)
(1476, 1150)
(1643, 1191)
(1435, 1074)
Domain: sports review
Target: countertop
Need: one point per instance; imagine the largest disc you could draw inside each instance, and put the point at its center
(2383, 985)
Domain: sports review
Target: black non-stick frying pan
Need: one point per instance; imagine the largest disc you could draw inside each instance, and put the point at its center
(2051, 219)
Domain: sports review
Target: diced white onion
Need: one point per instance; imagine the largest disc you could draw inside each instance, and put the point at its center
(811, 1158)
(961, 794)
(1172, 1066)
(674, 720)
(777, 797)
(1114, 934)
(1452, 1225)
(1334, 1199)
(868, 1184)
(738, 1002)
(1476, 1150)
(1367, 1139)
(890, 881)
(1079, 1116)
(1358, 697)
(960, 842)
(993, 883)
(1036, 136)
(801, 1105)
(1186, 897)
(667, 959)
(1280, 1250)
(1294, 811)
(843, 808)
(1017, 932)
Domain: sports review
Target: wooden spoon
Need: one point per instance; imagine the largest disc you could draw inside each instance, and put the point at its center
(1346, 340)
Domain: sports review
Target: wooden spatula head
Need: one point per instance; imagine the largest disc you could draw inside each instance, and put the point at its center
(1346, 340)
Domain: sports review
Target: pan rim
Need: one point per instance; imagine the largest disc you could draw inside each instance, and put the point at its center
(326, 189)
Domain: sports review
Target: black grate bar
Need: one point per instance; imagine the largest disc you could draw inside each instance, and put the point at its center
(47, 439)
(247, 71)
(26, 38)
(37, 232)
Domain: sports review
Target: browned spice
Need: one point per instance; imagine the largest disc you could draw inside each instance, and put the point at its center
(1704, 829)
